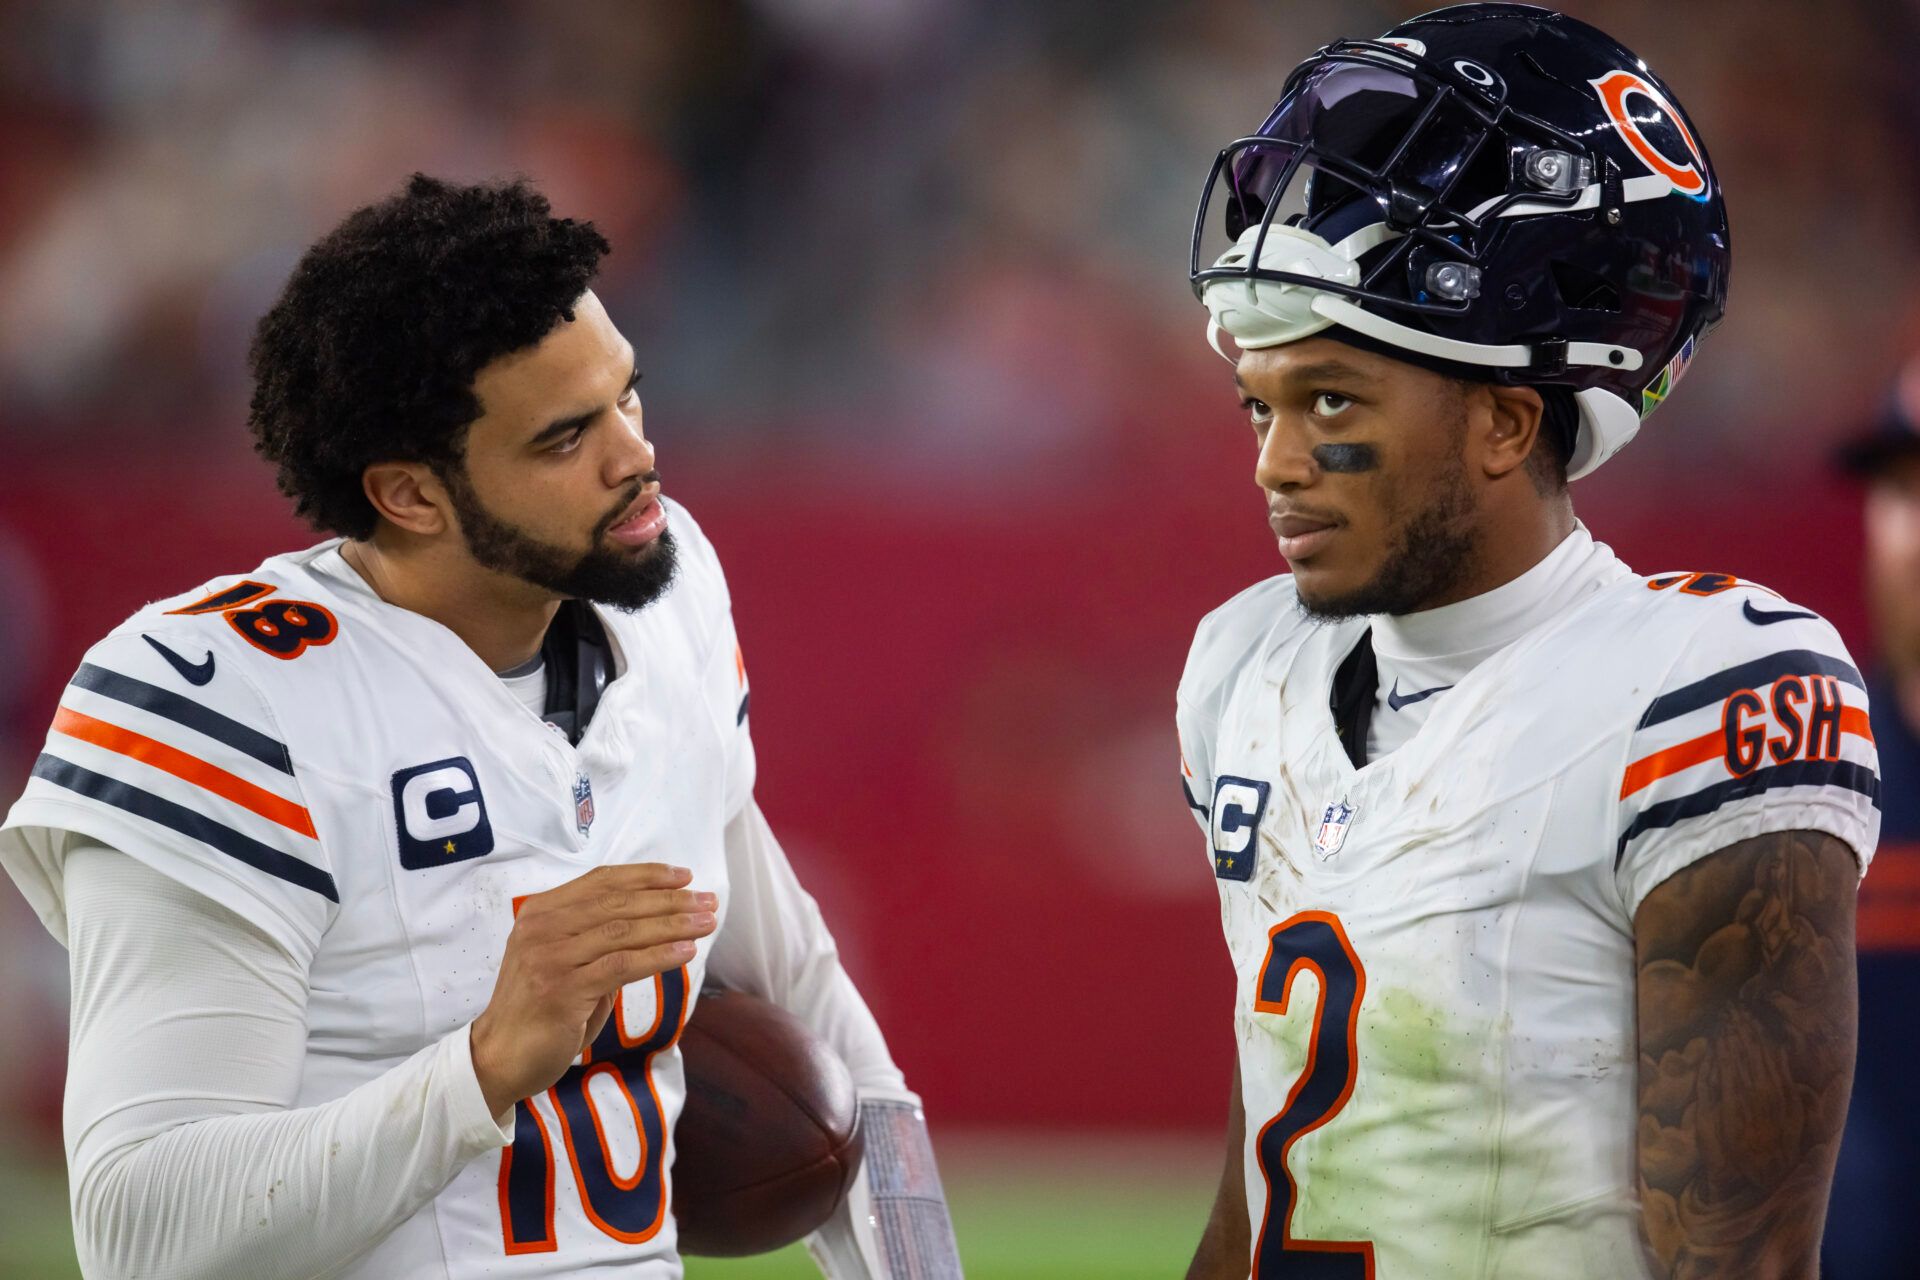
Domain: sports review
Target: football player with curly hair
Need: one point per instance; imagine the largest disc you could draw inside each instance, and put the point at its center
(392, 869)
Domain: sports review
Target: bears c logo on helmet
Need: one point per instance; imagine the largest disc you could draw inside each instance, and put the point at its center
(1688, 174)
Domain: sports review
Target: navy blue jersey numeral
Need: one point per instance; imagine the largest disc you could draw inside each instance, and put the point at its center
(1312, 940)
(629, 1209)
(284, 628)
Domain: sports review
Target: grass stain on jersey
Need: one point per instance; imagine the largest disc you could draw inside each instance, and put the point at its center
(1396, 1157)
(1404, 1034)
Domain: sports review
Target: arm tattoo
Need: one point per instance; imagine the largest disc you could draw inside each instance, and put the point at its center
(1747, 1017)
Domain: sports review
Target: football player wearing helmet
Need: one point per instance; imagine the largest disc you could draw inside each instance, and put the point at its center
(1537, 873)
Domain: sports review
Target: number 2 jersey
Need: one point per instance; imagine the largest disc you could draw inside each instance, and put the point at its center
(1434, 954)
(352, 779)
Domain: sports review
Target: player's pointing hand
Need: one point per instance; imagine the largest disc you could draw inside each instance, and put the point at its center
(570, 951)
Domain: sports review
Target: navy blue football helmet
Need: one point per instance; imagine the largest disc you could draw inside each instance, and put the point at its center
(1496, 191)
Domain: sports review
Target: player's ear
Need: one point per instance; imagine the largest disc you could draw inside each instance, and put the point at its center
(1510, 426)
(408, 495)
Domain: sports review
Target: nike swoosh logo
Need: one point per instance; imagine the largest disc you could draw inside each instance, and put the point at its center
(1767, 617)
(1396, 701)
(191, 672)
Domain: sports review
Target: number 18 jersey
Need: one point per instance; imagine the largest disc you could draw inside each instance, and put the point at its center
(351, 778)
(1434, 955)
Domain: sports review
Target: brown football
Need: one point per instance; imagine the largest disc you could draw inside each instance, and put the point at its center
(769, 1140)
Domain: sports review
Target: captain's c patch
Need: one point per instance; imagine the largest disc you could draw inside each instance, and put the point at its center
(1238, 804)
(440, 814)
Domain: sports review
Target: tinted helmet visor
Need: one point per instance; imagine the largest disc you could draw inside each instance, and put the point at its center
(1340, 109)
(1353, 127)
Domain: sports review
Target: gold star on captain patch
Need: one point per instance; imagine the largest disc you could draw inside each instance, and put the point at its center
(449, 846)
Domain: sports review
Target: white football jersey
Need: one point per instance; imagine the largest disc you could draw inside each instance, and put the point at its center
(350, 776)
(1435, 1004)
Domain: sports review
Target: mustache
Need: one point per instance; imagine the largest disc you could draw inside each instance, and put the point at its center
(627, 500)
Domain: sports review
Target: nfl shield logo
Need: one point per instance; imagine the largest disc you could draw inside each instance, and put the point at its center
(582, 802)
(1333, 828)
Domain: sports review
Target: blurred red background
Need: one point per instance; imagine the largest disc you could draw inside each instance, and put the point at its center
(908, 284)
(963, 712)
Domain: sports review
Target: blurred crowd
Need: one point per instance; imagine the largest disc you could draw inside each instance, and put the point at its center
(955, 228)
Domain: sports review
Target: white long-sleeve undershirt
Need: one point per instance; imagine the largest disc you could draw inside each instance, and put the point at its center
(186, 1154)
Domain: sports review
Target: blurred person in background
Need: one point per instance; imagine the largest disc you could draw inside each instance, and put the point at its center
(1568, 854)
(1873, 1229)
(373, 859)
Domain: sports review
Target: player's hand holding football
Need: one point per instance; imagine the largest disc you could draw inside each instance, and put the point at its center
(571, 950)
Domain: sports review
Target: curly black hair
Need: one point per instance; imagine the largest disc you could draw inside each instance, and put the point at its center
(370, 353)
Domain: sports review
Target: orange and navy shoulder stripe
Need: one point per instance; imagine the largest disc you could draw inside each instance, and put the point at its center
(1186, 774)
(1757, 673)
(740, 680)
(1782, 721)
(184, 711)
(186, 766)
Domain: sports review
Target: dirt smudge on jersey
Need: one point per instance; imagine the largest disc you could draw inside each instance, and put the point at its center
(1280, 857)
(1279, 688)
(1286, 780)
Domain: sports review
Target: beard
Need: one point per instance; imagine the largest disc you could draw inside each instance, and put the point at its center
(1432, 552)
(600, 575)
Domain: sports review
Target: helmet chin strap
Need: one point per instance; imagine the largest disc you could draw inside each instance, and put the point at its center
(1269, 313)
